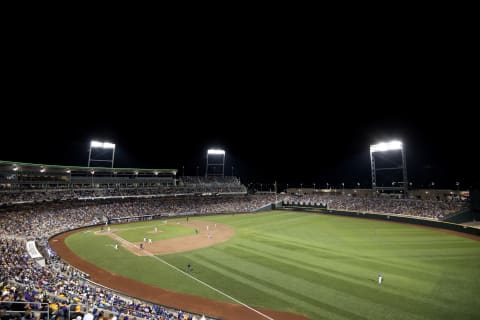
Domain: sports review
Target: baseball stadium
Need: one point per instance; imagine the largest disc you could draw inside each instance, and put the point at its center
(100, 242)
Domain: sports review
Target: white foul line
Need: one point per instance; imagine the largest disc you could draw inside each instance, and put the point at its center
(198, 280)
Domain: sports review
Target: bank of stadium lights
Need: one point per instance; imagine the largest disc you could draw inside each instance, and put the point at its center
(389, 146)
(216, 163)
(216, 151)
(101, 145)
(386, 146)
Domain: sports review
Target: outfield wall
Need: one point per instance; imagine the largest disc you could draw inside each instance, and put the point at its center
(464, 216)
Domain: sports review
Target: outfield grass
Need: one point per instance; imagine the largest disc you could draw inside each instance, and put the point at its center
(322, 266)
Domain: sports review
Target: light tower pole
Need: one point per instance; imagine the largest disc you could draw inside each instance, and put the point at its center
(275, 190)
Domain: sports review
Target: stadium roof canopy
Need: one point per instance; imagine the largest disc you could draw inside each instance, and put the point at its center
(36, 167)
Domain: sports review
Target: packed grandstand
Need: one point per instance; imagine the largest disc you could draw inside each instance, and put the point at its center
(40, 201)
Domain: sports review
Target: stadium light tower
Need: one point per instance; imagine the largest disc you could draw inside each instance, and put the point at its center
(215, 158)
(102, 146)
(385, 147)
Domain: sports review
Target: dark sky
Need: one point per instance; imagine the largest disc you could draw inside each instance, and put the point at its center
(296, 116)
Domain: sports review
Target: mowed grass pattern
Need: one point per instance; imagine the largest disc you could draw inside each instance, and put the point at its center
(322, 266)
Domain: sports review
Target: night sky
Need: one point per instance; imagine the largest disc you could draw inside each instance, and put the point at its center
(286, 118)
(296, 146)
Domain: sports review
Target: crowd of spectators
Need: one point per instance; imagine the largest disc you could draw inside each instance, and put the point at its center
(186, 185)
(424, 209)
(227, 184)
(58, 291)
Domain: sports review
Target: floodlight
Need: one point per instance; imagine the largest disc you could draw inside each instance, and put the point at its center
(15, 168)
(68, 171)
(96, 144)
(108, 145)
(43, 170)
(215, 166)
(386, 146)
(389, 146)
(216, 151)
(104, 145)
(101, 145)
